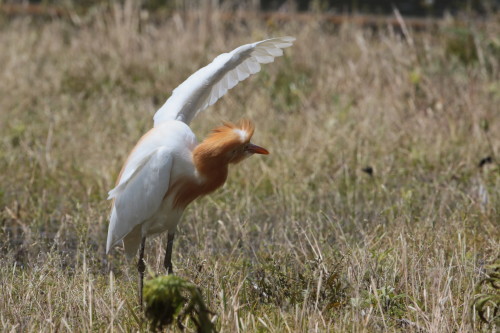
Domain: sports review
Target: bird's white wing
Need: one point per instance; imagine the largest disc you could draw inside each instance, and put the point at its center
(139, 194)
(208, 84)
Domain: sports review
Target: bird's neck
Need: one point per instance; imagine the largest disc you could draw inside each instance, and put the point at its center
(211, 167)
(211, 173)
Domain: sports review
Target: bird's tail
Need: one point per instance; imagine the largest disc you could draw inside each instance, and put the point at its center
(132, 241)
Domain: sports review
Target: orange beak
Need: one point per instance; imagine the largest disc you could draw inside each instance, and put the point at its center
(254, 149)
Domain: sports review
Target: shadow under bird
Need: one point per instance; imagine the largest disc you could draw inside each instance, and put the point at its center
(168, 169)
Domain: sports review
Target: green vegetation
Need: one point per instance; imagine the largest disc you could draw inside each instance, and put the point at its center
(487, 297)
(170, 297)
(370, 214)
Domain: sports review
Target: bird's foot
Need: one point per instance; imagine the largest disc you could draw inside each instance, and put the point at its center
(170, 269)
(141, 266)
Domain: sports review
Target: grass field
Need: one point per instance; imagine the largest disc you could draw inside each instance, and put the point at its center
(301, 240)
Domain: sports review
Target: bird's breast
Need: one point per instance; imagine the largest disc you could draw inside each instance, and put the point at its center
(186, 190)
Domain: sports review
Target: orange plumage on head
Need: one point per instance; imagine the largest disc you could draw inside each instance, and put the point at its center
(228, 136)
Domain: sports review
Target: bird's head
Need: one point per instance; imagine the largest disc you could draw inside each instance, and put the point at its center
(229, 143)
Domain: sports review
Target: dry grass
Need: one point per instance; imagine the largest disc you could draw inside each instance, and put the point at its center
(301, 240)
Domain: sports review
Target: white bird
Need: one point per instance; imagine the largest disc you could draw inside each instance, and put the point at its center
(168, 169)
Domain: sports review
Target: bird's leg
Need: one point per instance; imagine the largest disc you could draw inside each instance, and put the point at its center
(141, 267)
(168, 253)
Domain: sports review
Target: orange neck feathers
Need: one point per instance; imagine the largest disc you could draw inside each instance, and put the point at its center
(211, 159)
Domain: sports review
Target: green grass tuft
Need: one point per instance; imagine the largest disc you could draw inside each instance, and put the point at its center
(171, 298)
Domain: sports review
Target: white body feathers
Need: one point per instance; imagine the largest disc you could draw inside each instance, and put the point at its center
(164, 154)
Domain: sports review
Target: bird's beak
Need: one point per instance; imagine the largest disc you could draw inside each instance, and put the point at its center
(254, 149)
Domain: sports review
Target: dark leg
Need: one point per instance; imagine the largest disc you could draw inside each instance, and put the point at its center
(168, 253)
(141, 267)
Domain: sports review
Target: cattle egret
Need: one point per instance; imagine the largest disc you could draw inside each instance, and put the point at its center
(167, 169)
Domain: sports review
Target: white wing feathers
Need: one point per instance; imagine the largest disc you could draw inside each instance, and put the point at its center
(207, 85)
(146, 185)
(128, 175)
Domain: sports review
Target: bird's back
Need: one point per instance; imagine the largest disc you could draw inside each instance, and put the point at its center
(175, 136)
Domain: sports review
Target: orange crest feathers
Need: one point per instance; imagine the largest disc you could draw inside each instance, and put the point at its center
(225, 138)
(230, 135)
(248, 127)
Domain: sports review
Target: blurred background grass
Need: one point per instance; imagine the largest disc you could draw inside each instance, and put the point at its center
(378, 208)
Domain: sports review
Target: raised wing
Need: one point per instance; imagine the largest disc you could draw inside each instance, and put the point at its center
(208, 84)
(139, 194)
